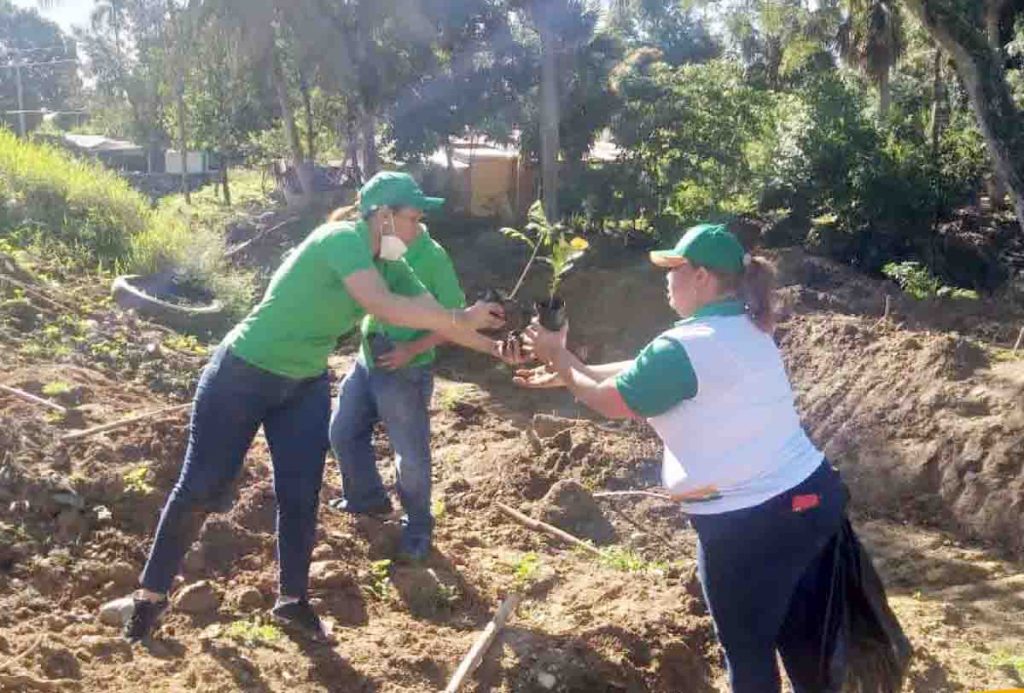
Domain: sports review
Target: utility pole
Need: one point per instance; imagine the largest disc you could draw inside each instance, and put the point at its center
(21, 99)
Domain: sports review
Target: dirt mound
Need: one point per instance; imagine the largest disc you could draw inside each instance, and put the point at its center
(569, 506)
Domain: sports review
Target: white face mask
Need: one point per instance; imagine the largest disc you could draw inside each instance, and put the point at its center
(392, 248)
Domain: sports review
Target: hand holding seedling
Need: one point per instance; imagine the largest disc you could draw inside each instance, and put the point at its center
(545, 345)
(485, 316)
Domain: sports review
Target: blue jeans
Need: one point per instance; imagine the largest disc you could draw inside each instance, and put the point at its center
(766, 576)
(401, 399)
(232, 400)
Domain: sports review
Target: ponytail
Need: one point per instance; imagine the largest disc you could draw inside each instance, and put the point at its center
(755, 286)
(345, 213)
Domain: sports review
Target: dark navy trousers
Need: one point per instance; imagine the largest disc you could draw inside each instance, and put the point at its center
(766, 573)
(233, 399)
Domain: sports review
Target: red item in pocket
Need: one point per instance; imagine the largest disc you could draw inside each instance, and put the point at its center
(806, 502)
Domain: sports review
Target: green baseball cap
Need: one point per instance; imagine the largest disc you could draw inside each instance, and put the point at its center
(394, 189)
(705, 245)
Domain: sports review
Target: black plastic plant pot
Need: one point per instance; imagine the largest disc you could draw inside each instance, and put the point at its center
(551, 313)
(517, 315)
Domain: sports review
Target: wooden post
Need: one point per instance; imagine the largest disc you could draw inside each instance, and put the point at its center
(483, 642)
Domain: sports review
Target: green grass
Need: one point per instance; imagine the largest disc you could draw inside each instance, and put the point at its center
(451, 396)
(253, 633)
(525, 570)
(138, 480)
(83, 218)
(379, 580)
(52, 199)
(56, 387)
(629, 562)
(1011, 662)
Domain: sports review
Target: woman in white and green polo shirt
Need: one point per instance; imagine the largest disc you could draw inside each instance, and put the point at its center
(763, 500)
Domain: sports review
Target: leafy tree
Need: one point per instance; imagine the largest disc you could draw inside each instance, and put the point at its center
(28, 38)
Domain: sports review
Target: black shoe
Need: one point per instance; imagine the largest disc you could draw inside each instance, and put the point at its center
(381, 509)
(298, 618)
(144, 618)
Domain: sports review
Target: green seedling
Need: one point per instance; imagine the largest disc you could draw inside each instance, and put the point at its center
(453, 395)
(55, 388)
(379, 584)
(139, 480)
(253, 633)
(438, 510)
(628, 561)
(525, 570)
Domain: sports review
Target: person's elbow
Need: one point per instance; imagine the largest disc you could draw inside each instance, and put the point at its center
(608, 402)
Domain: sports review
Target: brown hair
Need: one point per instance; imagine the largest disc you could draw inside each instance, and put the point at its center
(345, 213)
(755, 287)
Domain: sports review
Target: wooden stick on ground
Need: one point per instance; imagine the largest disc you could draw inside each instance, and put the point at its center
(35, 292)
(649, 494)
(266, 232)
(483, 642)
(24, 653)
(1020, 340)
(28, 397)
(76, 435)
(547, 529)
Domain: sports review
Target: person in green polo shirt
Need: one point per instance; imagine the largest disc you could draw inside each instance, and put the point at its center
(271, 371)
(392, 381)
(767, 506)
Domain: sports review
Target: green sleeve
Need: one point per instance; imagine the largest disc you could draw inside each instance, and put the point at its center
(347, 253)
(400, 278)
(660, 378)
(443, 282)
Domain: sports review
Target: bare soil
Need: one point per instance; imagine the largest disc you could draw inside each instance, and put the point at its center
(925, 424)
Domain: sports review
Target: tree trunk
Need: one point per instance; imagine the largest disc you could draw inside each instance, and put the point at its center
(993, 13)
(938, 111)
(983, 73)
(307, 105)
(224, 180)
(368, 128)
(183, 143)
(884, 94)
(303, 174)
(549, 117)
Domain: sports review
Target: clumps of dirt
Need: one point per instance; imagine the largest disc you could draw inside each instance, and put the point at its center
(923, 425)
(569, 506)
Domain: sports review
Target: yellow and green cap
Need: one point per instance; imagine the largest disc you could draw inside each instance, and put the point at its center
(394, 189)
(705, 245)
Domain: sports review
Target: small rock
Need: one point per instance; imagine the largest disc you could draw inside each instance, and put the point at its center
(103, 514)
(322, 552)
(247, 598)
(561, 440)
(194, 562)
(546, 680)
(546, 425)
(60, 663)
(328, 574)
(69, 499)
(115, 613)
(580, 450)
(198, 598)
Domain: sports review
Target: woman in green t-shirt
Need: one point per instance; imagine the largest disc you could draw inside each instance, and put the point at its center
(271, 371)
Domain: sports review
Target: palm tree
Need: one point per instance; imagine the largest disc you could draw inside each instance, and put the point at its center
(872, 40)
